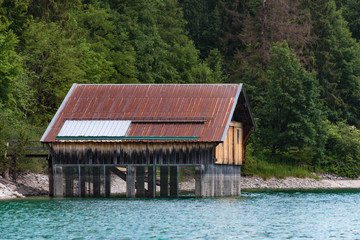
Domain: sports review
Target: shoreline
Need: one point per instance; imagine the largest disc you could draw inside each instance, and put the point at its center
(34, 185)
(257, 183)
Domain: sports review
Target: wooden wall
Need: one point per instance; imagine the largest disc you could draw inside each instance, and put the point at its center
(230, 152)
(132, 153)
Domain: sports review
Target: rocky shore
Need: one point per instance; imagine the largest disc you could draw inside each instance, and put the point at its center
(27, 185)
(328, 181)
(30, 184)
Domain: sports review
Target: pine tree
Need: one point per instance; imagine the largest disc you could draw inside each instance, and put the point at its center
(336, 62)
(291, 114)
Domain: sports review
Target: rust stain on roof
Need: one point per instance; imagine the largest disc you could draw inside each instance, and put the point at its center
(201, 111)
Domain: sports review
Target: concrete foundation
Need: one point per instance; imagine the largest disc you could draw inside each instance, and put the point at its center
(218, 181)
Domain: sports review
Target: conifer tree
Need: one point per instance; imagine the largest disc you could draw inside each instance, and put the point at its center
(291, 114)
(337, 61)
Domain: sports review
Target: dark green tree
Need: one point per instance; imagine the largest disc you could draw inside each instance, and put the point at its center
(54, 60)
(337, 60)
(10, 63)
(343, 150)
(350, 10)
(98, 24)
(291, 115)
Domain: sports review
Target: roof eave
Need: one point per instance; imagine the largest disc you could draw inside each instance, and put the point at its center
(249, 109)
(232, 112)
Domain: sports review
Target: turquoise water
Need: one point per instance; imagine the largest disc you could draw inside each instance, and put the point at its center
(255, 215)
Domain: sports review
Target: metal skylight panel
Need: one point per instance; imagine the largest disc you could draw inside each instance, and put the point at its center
(94, 128)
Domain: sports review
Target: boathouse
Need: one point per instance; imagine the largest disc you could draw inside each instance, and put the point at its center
(143, 133)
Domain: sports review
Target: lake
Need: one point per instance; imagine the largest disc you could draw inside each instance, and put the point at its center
(254, 215)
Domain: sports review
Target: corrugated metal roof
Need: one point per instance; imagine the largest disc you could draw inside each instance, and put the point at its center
(177, 112)
(94, 128)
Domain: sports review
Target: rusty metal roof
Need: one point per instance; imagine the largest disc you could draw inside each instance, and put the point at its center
(189, 112)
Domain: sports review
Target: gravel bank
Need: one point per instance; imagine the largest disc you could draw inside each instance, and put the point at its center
(27, 185)
(298, 183)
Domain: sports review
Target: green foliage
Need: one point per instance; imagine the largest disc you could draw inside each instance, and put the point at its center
(55, 57)
(47, 45)
(343, 150)
(203, 23)
(98, 25)
(351, 13)
(259, 165)
(18, 152)
(13, 13)
(336, 62)
(10, 65)
(290, 113)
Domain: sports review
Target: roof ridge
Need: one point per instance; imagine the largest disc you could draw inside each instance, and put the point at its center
(157, 84)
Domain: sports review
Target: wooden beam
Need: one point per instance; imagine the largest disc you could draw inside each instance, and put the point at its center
(118, 172)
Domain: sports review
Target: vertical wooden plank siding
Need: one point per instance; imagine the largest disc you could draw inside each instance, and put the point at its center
(226, 150)
(231, 145)
(132, 153)
(230, 152)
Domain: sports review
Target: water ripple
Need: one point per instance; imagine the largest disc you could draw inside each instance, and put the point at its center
(258, 215)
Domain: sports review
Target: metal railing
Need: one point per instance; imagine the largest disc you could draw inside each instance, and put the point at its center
(34, 148)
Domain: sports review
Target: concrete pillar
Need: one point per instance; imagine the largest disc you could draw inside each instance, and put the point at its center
(140, 181)
(107, 181)
(164, 181)
(58, 182)
(152, 181)
(174, 181)
(198, 181)
(239, 182)
(130, 181)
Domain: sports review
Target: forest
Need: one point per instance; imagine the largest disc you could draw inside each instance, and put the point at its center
(299, 61)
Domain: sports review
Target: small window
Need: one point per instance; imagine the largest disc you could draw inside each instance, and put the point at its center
(238, 135)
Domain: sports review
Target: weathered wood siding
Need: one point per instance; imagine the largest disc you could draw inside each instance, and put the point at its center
(132, 153)
(231, 150)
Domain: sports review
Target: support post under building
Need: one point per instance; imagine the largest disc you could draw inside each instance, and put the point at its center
(152, 181)
(164, 181)
(174, 181)
(130, 181)
(140, 181)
